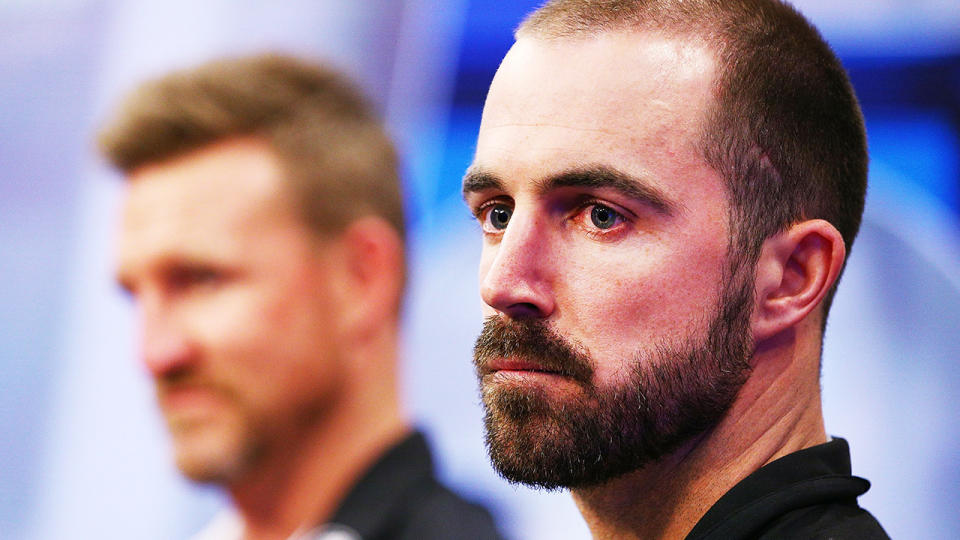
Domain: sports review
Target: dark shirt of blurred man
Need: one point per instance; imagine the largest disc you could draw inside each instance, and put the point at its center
(668, 190)
(262, 241)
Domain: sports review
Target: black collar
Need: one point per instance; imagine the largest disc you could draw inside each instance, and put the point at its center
(816, 475)
(380, 497)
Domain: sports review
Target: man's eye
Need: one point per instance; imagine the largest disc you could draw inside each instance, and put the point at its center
(497, 217)
(187, 278)
(604, 217)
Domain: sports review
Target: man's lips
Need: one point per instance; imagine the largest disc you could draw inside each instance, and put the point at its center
(182, 397)
(515, 364)
(528, 349)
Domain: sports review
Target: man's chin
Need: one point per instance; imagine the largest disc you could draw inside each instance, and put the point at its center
(529, 439)
(517, 454)
(571, 439)
(206, 454)
(522, 398)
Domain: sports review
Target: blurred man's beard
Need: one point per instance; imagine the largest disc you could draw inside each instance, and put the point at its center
(672, 394)
(213, 454)
(214, 447)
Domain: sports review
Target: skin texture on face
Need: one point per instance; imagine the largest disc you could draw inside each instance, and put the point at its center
(602, 222)
(238, 307)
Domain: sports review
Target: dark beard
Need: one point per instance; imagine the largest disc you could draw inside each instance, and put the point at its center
(671, 395)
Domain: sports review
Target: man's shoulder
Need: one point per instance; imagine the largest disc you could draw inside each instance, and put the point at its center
(400, 498)
(826, 522)
(434, 511)
(806, 494)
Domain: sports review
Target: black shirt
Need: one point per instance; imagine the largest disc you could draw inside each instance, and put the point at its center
(808, 494)
(399, 498)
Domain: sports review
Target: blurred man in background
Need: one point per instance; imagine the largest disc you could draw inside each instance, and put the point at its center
(668, 191)
(262, 241)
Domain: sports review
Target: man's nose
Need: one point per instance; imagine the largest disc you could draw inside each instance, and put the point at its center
(166, 346)
(516, 273)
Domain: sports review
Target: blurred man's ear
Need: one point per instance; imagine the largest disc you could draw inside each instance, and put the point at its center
(373, 266)
(795, 271)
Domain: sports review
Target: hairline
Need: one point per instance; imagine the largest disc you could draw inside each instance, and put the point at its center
(746, 239)
(287, 194)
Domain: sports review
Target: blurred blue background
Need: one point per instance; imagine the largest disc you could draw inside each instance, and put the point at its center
(83, 454)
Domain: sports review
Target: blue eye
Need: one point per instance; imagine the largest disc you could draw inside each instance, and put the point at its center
(500, 216)
(603, 217)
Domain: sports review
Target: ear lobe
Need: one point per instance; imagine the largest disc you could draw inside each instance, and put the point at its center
(796, 270)
(374, 270)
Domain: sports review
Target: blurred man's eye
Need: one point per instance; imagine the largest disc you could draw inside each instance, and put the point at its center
(187, 278)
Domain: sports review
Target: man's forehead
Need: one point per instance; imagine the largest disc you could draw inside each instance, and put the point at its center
(630, 102)
(231, 179)
(609, 89)
(607, 70)
(161, 226)
(211, 201)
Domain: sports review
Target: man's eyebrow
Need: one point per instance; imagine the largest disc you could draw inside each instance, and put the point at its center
(606, 177)
(477, 179)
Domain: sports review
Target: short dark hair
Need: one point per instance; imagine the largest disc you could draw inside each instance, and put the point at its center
(333, 150)
(785, 132)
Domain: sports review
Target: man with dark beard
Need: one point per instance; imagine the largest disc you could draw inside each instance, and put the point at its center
(668, 191)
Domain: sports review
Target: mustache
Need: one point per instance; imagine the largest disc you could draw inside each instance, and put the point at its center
(533, 341)
(188, 378)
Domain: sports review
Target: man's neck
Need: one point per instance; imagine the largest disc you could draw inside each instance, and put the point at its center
(304, 487)
(777, 412)
(301, 484)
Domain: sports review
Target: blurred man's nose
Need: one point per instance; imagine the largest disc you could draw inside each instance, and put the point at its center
(166, 345)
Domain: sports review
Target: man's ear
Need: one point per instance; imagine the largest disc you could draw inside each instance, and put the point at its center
(374, 268)
(795, 271)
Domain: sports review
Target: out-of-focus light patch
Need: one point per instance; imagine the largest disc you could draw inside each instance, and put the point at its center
(889, 370)
(46, 31)
(904, 206)
(422, 83)
(921, 148)
(16, 7)
(887, 27)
